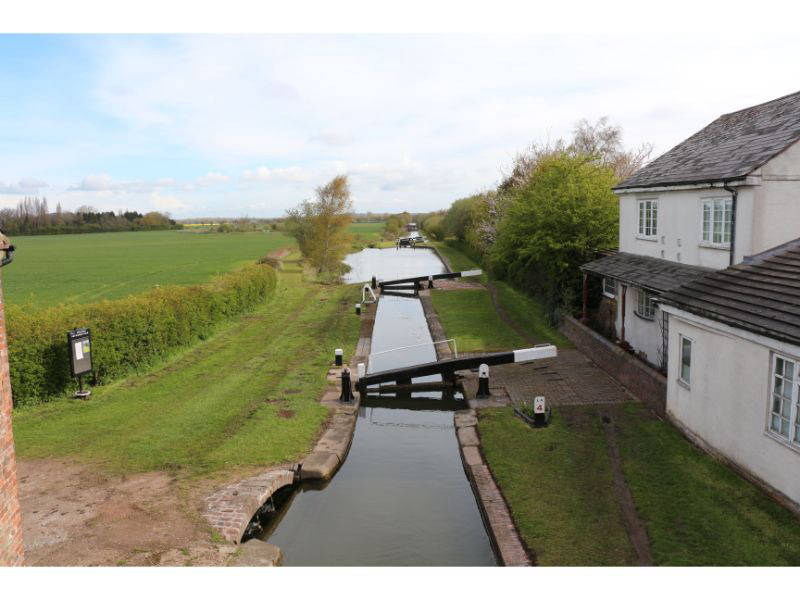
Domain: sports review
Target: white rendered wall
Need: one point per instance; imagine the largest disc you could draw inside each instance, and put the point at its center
(777, 215)
(642, 334)
(727, 403)
(680, 226)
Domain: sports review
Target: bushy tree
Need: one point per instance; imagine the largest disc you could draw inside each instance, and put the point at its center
(554, 222)
(320, 227)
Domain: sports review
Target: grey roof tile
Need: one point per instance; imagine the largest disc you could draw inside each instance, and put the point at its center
(654, 274)
(729, 148)
(761, 295)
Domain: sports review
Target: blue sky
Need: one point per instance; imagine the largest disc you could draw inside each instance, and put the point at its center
(228, 125)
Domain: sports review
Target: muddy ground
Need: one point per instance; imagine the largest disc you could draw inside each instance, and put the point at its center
(72, 515)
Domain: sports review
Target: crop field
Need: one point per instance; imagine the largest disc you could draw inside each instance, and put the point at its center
(54, 269)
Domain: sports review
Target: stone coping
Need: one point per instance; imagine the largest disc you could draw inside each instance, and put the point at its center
(494, 510)
(230, 509)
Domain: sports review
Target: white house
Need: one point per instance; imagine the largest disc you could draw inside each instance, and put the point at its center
(733, 382)
(729, 191)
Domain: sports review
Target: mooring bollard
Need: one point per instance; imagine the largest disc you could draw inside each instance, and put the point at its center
(540, 413)
(430, 282)
(483, 382)
(347, 387)
(374, 282)
(358, 309)
(338, 356)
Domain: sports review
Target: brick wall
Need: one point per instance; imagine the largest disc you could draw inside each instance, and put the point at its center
(642, 381)
(11, 552)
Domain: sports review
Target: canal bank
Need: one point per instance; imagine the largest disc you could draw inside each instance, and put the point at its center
(401, 497)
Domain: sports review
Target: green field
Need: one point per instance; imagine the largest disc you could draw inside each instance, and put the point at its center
(54, 269)
(247, 396)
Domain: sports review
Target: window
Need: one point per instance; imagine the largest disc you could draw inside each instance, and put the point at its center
(686, 360)
(645, 306)
(648, 218)
(717, 216)
(610, 287)
(784, 414)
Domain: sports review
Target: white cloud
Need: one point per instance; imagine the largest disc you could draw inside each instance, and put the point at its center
(26, 185)
(212, 178)
(106, 183)
(167, 203)
(333, 138)
(286, 174)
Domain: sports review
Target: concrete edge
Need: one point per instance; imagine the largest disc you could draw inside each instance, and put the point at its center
(495, 512)
(229, 509)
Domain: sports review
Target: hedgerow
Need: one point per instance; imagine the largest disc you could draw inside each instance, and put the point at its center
(127, 334)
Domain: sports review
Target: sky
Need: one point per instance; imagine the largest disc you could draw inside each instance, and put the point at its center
(250, 125)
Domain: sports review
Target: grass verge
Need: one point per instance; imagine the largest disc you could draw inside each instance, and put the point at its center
(247, 396)
(469, 317)
(558, 483)
(696, 510)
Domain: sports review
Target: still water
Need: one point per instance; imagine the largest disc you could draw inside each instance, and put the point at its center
(401, 497)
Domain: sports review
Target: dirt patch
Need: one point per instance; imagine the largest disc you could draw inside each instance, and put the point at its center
(286, 413)
(72, 515)
(633, 524)
(456, 284)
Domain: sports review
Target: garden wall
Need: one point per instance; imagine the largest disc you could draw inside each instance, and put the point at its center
(127, 334)
(647, 384)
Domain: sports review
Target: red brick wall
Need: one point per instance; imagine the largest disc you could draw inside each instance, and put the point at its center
(642, 381)
(11, 552)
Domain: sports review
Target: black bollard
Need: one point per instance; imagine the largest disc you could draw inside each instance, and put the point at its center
(338, 357)
(483, 382)
(358, 309)
(347, 387)
(430, 282)
(374, 282)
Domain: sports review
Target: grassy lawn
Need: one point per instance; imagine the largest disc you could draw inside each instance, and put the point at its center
(558, 483)
(247, 396)
(529, 315)
(469, 317)
(458, 260)
(54, 269)
(696, 510)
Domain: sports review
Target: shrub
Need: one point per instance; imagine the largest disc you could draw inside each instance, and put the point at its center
(127, 334)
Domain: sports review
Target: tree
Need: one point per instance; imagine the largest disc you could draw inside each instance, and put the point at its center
(320, 227)
(555, 222)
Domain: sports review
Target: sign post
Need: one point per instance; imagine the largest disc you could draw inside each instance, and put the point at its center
(80, 357)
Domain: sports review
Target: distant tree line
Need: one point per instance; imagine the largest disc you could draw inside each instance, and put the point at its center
(32, 216)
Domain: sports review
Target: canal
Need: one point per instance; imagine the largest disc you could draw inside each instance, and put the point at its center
(401, 497)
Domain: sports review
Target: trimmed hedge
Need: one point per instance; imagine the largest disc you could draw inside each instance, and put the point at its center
(127, 334)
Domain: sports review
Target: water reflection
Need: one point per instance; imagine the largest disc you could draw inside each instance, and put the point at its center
(391, 263)
(401, 497)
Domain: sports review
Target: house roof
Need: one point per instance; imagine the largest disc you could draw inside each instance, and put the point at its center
(761, 295)
(729, 148)
(655, 274)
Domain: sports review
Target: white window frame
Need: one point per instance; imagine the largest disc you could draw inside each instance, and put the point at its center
(606, 291)
(650, 314)
(713, 208)
(792, 437)
(681, 338)
(647, 218)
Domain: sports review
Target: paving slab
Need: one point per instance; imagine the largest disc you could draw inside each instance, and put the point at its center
(319, 465)
(467, 436)
(255, 553)
(472, 455)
